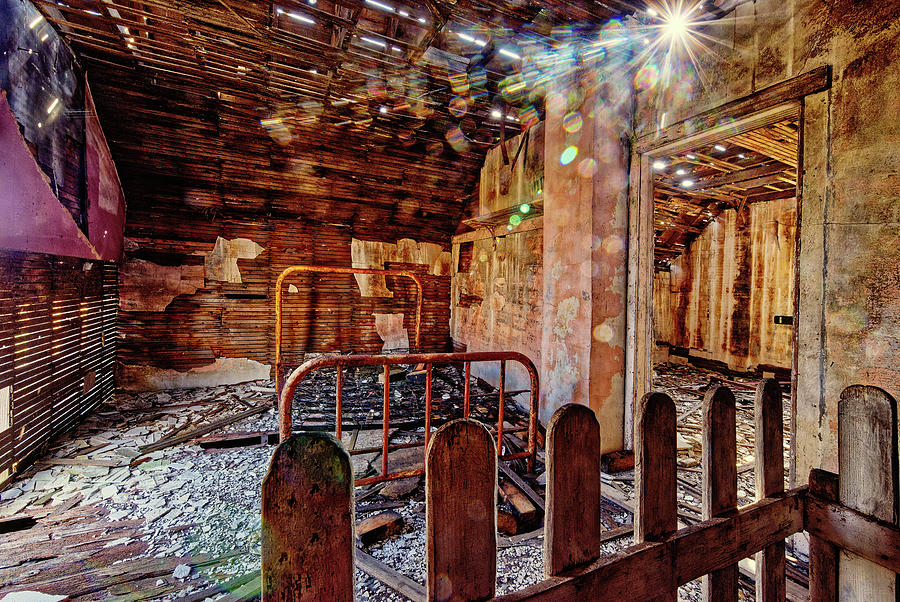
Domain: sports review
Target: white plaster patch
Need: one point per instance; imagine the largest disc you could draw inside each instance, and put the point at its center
(224, 371)
(221, 262)
(390, 328)
(561, 381)
(293, 288)
(566, 313)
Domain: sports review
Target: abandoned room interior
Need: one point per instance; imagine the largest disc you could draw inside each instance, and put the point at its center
(449, 300)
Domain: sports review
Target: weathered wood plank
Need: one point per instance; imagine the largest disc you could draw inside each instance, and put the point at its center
(861, 534)
(656, 517)
(307, 521)
(396, 581)
(573, 526)
(769, 472)
(533, 495)
(867, 461)
(719, 479)
(823, 554)
(644, 570)
(461, 512)
(813, 81)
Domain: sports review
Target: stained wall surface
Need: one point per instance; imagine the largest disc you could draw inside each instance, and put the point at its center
(197, 304)
(497, 292)
(720, 298)
(497, 281)
(849, 259)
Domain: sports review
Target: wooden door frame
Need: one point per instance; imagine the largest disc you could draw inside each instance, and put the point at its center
(757, 110)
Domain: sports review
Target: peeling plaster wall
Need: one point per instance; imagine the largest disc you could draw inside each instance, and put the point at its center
(496, 297)
(373, 254)
(720, 310)
(585, 230)
(197, 299)
(849, 266)
(223, 371)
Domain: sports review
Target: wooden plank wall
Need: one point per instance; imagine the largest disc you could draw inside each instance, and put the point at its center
(236, 320)
(57, 345)
(721, 296)
(301, 195)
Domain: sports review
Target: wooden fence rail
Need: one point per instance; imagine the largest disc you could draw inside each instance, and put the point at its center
(854, 535)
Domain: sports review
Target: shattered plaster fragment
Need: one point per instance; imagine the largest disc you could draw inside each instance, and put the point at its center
(147, 286)
(221, 262)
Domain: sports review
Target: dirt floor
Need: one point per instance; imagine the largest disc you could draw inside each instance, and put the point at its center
(157, 495)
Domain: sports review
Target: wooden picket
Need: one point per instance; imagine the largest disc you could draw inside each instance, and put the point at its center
(770, 567)
(719, 457)
(867, 464)
(308, 550)
(656, 516)
(573, 529)
(461, 512)
(307, 521)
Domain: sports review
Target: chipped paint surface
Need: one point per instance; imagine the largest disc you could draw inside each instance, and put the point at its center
(147, 286)
(222, 262)
(585, 228)
(373, 254)
(224, 371)
(566, 312)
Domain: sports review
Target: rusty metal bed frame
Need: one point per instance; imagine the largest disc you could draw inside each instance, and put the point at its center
(324, 269)
(339, 362)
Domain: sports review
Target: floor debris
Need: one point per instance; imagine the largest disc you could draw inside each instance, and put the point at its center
(157, 495)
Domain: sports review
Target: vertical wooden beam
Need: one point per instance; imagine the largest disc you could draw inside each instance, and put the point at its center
(719, 480)
(823, 556)
(307, 521)
(656, 512)
(770, 583)
(461, 512)
(572, 526)
(867, 457)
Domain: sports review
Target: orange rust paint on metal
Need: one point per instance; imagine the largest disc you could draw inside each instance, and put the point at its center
(339, 393)
(500, 409)
(326, 269)
(343, 361)
(386, 422)
(427, 406)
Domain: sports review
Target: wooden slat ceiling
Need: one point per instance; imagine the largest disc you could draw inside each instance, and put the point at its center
(207, 98)
(691, 188)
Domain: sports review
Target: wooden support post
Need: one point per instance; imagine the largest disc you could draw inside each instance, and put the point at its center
(719, 480)
(656, 515)
(572, 525)
(867, 460)
(461, 512)
(823, 556)
(307, 521)
(770, 578)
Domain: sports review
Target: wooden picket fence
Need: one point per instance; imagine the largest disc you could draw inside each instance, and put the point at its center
(308, 548)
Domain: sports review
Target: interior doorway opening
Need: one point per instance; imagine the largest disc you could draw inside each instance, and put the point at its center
(725, 226)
